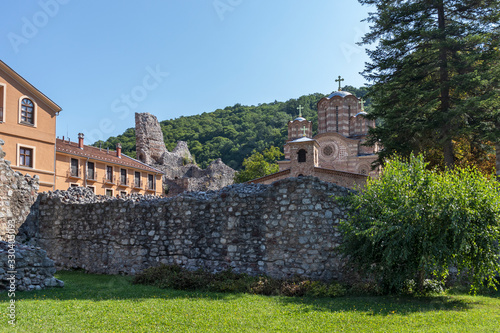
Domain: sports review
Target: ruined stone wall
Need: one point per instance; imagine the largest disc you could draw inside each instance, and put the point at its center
(282, 229)
(17, 195)
(33, 270)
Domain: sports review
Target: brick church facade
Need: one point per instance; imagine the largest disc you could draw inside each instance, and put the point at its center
(336, 154)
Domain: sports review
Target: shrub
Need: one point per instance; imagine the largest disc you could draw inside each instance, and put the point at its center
(175, 277)
(413, 224)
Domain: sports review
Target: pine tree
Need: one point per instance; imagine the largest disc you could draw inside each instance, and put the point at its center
(434, 73)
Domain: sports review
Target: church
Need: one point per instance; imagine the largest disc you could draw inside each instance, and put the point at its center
(336, 153)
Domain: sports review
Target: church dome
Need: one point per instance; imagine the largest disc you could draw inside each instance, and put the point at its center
(362, 113)
(340, 93)
(300, 119)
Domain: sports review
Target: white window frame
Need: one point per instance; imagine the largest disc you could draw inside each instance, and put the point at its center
(18, 157)
(35, 111)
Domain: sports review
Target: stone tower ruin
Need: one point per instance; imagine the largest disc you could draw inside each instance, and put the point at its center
(181, 172)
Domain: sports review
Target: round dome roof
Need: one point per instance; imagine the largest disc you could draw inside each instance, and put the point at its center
(340, 93)
(300, 119)
(362, 113)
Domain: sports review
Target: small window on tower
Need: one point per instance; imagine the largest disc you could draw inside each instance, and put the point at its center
(301, 156)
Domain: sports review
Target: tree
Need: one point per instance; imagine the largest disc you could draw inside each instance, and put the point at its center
(434, 73)
(413, 224)
(259, 165)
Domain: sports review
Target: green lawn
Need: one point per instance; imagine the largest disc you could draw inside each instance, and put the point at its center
(96, 303)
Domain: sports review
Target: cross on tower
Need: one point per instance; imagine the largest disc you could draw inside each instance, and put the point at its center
(339, 80)
(304, 131)
(362, 104)
(300, 108)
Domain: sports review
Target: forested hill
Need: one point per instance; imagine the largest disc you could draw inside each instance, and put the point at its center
(231, 133)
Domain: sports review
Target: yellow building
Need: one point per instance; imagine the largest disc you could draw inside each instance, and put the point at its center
(28, 127)
(106, 172)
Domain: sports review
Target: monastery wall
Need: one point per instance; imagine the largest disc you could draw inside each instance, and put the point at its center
(282, 229)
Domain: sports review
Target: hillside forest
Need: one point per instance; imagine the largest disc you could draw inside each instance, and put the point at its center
(234, 132)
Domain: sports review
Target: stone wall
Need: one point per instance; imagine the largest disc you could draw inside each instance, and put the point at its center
(17, 195)
(282, 229)
(33, 270)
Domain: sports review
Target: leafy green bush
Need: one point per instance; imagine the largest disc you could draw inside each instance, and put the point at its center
(165, 276)
(413, 224)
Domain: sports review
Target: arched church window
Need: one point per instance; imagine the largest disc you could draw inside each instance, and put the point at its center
(301, 156)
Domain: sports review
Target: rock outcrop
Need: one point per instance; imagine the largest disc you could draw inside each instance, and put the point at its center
(181, 172)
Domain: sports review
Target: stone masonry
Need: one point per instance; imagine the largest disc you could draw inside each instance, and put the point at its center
(17, 195)
(282, 229)
(33, 270)
(181, 174)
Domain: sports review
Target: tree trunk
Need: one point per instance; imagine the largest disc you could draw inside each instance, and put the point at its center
(449, 156)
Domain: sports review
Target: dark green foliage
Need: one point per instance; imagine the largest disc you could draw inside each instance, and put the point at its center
(414, 224)
(127, 140)
(232, 133)
(435, 74)
(175, 277)
(258, 165)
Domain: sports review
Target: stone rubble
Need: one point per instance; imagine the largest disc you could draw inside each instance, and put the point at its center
(34, 270)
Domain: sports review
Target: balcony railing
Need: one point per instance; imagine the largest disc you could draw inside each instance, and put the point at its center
(137, 183)
(92, 175)
(108, 179)
(72, 173)
(123, 182)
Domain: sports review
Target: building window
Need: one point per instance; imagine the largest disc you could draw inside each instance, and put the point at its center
(302, 156)
(74, 168)
(27, 111)
(123, 176)
(337, 117)
(109, 192)
(92, 188)
(123, 193)
(75, 185)
(151, 182)
(137, 179)
(91, 170)
(109, 174)
(26, 157)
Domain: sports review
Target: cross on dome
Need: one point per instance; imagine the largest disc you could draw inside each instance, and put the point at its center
(339, 80)
(300, 108)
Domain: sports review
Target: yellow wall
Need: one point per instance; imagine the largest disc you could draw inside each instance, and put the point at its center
(41, 136)
(63, 182)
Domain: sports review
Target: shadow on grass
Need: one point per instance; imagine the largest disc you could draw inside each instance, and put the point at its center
(82, 286)
(380, 305)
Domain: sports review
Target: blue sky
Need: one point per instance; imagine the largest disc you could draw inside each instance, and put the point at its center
(102, 61)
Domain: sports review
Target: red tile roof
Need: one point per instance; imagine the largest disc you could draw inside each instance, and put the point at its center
(102, 155)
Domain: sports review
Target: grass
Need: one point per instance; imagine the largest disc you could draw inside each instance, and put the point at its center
(99, 303)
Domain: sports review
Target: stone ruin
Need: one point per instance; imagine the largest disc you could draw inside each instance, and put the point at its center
(31, 268)
(181, 172)
(285, 229)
